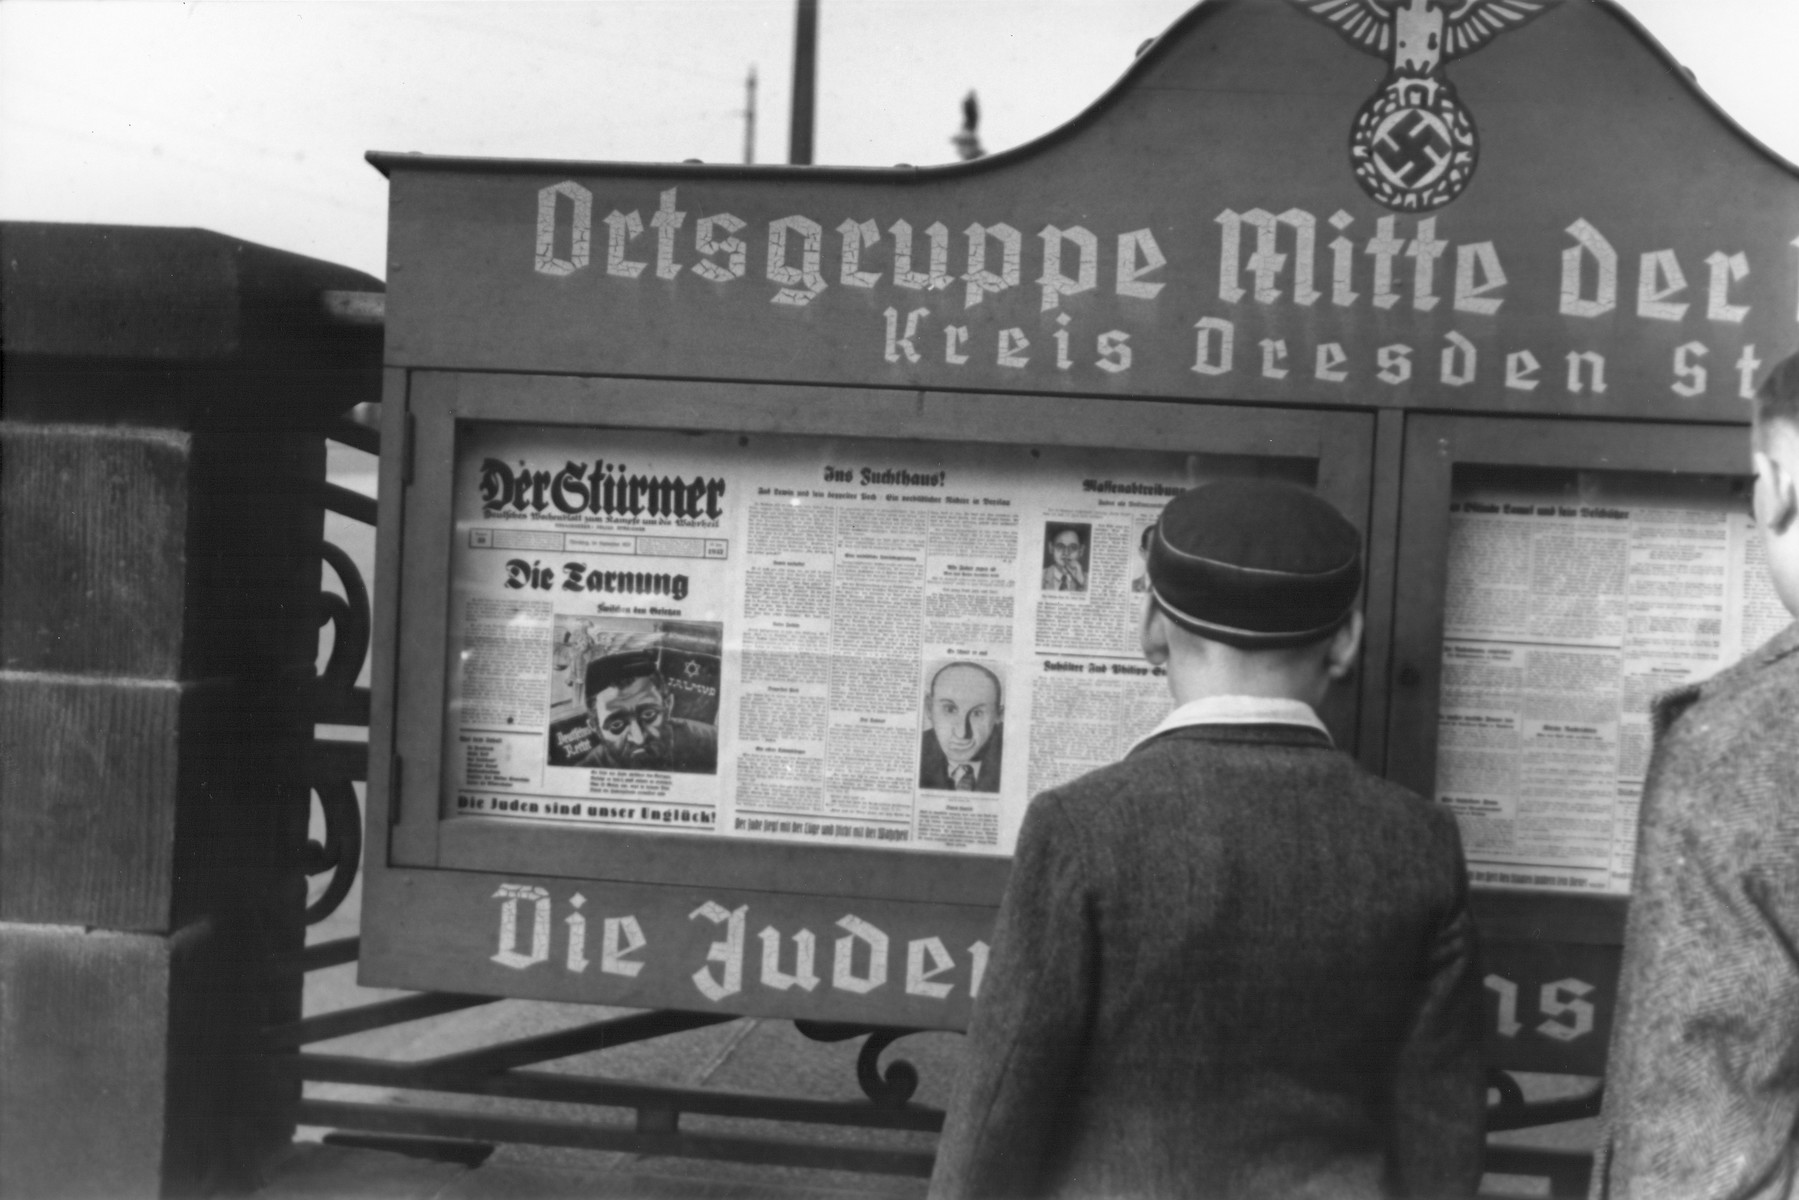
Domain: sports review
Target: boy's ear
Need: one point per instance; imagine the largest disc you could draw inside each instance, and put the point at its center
(1345, 647)
(1779, 489)
(1153, 636)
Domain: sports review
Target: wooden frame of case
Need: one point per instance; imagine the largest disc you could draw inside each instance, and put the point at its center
(1532, 940)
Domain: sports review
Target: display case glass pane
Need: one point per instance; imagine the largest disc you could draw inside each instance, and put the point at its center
(825, 640)
(1573, 597)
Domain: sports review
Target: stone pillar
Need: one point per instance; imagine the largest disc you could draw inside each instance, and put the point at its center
(160, 517)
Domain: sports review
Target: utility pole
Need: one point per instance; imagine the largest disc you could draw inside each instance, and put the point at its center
(968, 139)
(749, 117)
(805, 72)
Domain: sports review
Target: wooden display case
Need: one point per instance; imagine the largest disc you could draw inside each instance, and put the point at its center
(1569, 290)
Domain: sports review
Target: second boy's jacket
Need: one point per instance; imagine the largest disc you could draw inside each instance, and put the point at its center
(1702, 1086)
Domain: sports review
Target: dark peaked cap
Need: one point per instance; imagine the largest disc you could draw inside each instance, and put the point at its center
(617, 670)
(1255, 564)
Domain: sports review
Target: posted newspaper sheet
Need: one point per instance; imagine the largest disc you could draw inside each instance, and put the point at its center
(885, 643)
(1563, 618)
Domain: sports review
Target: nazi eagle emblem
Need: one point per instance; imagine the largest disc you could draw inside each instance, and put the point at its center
(1413, 145)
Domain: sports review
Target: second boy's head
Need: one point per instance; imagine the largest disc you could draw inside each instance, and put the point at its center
(1774, 457)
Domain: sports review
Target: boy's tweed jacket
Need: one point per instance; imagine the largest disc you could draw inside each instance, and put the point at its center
(1233, 965)
(1702, 1088)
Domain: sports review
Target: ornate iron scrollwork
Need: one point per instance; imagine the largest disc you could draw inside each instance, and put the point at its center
(1511, 1094)
(341, 850)
(336, 700)
(349, 617)
(893, 1088)
(1514, 1111)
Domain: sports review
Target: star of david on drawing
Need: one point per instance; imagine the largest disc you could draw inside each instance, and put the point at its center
(1413, 145)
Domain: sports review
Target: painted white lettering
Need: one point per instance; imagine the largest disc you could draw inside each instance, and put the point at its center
(1395, 364)
(666, 223)
(706, 243)
(620, 229)
(1471, 296)
(1330, 361)
(1063, 362)
(1383, 248)
(1114, 350)
(1138, 255)
(977, 967)
(1274, 353)
(577, 934)
(805, 947)
(1726, 269)
(1551, 1000)
(798, 284)
(1305, 254)
(897, 345)
(1012, 345)
(1589, 243)
(1507, 991)
(1425, 249)
(903, 274)
(954, 338)
(919, 977)
(580, 228)
(508, 955)
(979, 279)
(1054, 282)
(1267, 263)
(1659, 277)
(1595, 372)
(621, 936)
(1230, 255)
(1342, 262)
(1690, 375)
(728, 953)
(1747, 366)
(1521, 369)
(857, 236)
(1205, 361)
(1459, 359)
(843, 967)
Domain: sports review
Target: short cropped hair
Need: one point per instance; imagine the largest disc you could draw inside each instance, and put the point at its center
(1778, 397)
(999, 691)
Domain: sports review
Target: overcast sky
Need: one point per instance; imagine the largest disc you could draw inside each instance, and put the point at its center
(251, 118)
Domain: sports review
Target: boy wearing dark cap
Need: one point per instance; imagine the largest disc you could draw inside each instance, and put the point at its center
(1234, 964)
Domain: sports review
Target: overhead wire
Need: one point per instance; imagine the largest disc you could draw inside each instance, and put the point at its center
(485, 30)
(153, 151)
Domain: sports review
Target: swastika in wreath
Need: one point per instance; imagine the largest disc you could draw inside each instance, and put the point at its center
(1413, 146)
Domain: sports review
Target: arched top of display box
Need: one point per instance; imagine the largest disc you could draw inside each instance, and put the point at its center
(1497, 205)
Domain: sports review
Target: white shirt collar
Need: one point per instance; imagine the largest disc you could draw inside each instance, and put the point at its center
(1237, 710)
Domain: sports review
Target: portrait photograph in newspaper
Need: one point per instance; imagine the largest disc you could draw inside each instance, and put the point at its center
(856, 642)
